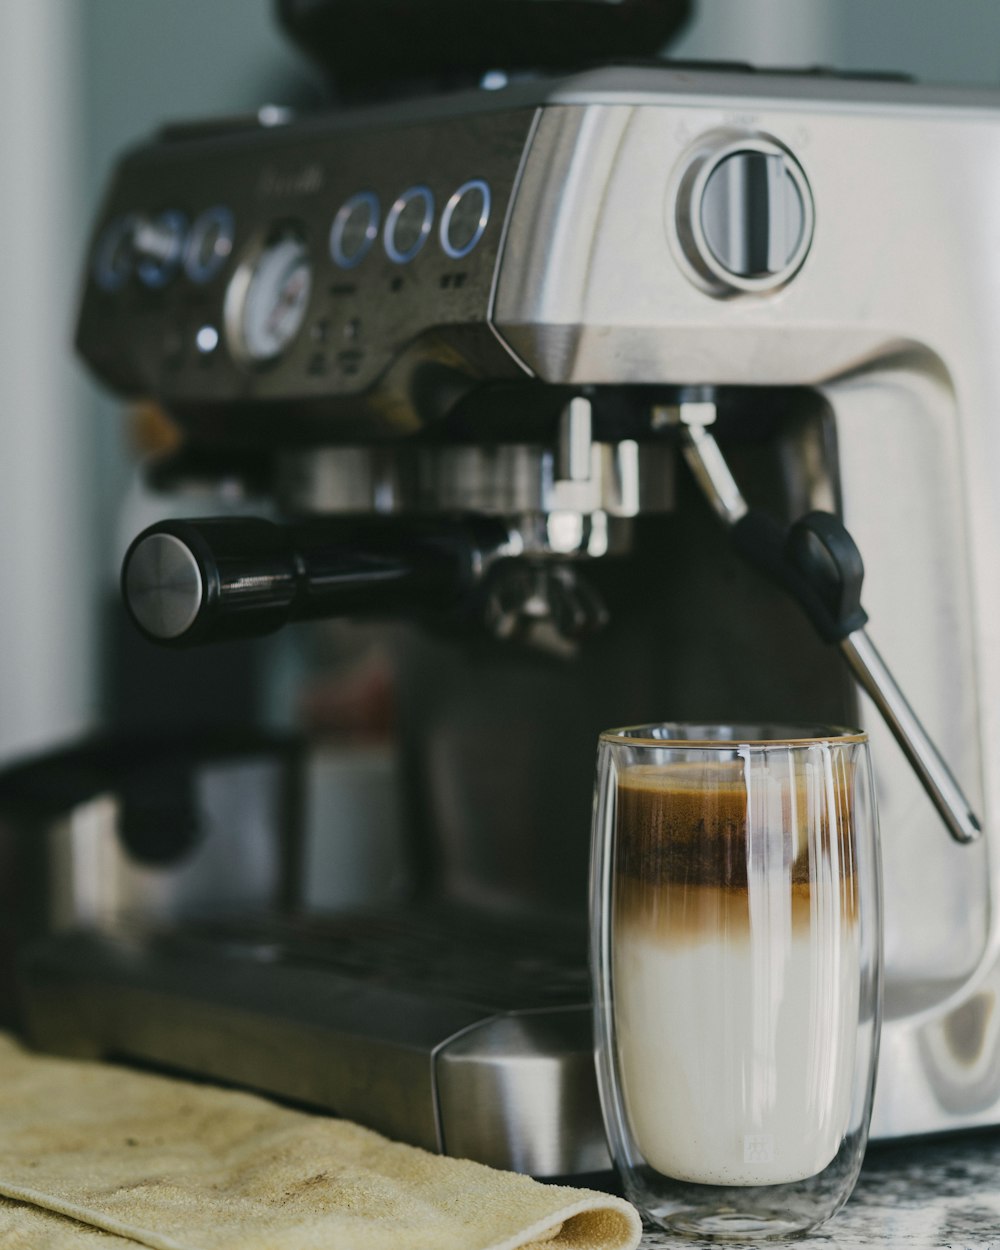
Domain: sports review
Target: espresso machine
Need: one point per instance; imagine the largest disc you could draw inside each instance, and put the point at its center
(476, 344)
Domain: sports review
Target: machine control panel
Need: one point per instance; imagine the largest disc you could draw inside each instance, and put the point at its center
(744, 216)
(297, 266)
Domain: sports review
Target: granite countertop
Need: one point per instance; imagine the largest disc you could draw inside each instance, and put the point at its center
(934, 1194)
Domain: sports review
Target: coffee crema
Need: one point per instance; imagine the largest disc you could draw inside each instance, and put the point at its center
(736, 966)
(690, 846)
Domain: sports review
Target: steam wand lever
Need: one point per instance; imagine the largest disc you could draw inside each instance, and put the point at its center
(817, 561)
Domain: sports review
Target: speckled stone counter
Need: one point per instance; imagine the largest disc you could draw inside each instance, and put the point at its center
(935, 1194)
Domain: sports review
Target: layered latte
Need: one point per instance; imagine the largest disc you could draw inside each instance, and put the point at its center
(736, 967)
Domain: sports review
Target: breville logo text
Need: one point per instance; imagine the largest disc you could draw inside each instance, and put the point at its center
(305, 181)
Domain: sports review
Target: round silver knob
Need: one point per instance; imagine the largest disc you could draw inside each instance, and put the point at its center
(163, 586)
(752, 214)
(744, 216)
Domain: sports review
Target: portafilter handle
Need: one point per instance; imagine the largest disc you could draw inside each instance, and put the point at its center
(190, 582)
(817, 561)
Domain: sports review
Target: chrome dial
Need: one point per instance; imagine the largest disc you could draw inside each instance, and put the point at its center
(744, 216)
(752, 214)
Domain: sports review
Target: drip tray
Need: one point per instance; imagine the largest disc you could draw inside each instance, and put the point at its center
(450, 1031)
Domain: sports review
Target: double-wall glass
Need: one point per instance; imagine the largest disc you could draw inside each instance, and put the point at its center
(737, 970)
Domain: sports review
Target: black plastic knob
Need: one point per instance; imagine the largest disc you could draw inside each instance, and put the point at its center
(816, 560)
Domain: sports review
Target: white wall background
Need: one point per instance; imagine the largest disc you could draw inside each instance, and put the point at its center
(79, 79)
(46, 471)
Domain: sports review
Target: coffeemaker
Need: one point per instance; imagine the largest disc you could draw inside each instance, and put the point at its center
(475, 344)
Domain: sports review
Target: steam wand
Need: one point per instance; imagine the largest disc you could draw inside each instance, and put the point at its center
(817, 561)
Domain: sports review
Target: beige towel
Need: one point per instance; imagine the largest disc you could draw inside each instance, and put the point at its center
(27, 1228)
(179, 1166)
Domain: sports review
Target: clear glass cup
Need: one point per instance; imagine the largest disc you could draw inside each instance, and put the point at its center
(737, 955)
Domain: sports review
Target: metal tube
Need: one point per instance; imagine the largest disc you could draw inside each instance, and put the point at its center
(934, 775)
(709, 467)
(704, 457)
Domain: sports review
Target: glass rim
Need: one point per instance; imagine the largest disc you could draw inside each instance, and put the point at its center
(733, 735)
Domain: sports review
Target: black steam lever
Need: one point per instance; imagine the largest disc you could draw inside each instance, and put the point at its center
(189, 582)
(817, 561)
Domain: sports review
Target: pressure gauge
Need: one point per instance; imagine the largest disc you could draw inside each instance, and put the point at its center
(268, 299)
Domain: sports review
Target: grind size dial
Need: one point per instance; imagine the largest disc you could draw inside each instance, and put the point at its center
(743, 216)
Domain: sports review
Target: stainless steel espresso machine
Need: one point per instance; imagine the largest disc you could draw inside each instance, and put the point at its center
(478, 343)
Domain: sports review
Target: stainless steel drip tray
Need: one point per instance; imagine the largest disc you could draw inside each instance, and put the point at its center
(450, 1031)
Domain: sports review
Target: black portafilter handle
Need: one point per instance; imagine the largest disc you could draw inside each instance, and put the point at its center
(191, 582)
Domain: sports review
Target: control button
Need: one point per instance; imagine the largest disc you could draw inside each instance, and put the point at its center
(465, 218)
(209, 243)
(355, 229)
(745, 216)
(158, 243)
(408, 224)
(114, 254)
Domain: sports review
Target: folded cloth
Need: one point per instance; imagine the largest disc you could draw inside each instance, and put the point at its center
(179, 1166)
(23, 1227)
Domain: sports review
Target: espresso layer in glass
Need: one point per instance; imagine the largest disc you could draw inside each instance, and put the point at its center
(736, 965)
